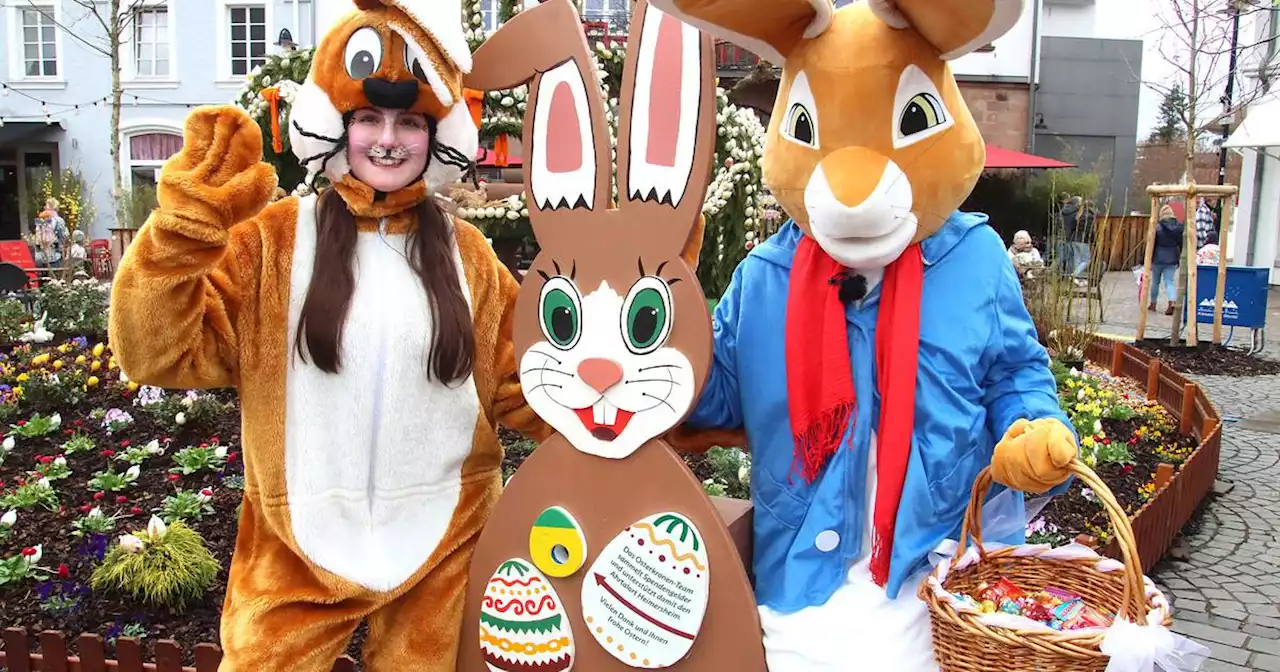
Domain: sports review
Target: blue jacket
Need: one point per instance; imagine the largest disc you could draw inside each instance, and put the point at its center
(981, 368)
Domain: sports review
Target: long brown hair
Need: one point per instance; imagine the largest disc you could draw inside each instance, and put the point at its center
(324, 313)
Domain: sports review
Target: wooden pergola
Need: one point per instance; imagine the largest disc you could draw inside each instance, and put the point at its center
(1226, 193)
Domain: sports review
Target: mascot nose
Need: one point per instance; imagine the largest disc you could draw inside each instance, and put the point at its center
(391, 95)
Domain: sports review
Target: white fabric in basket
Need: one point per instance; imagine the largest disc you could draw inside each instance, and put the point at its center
(1147, 648)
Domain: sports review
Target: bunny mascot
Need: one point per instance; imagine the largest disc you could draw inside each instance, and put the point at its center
(367, 332)
(876, 350)
(604, 552)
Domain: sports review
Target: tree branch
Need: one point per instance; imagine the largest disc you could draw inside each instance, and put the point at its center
(48, 14)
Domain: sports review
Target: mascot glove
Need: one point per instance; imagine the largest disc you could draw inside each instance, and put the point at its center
(1034, 456)
(218, 178)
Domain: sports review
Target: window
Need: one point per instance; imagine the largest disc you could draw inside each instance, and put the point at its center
(151, 42)
(248, 38)
(616, 13)
(489, 14)
(39, 43)
(147, 152)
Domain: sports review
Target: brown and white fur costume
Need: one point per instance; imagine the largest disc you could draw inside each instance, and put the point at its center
(366, 489)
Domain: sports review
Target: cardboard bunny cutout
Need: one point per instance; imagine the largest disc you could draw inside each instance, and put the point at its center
(604, 552)
(876, 350)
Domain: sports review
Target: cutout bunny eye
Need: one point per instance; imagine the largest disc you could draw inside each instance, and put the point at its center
(560, 313)
(647, 315)
(920, 111)
(363, 55)
(800, 123)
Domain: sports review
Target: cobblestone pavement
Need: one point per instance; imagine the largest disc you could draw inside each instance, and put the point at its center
(1227, 595)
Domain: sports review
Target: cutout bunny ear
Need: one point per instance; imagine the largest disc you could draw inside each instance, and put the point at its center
(561, 142)
(955, 27)
(768, 28)
(666, 135)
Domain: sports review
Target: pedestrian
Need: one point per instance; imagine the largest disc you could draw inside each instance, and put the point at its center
(1164, 258)
(1204, 223)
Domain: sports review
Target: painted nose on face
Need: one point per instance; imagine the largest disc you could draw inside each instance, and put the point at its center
(599, 373)
(391, 95)
(853, 173)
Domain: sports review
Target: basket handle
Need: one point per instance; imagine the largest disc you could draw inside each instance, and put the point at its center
(1134, 592)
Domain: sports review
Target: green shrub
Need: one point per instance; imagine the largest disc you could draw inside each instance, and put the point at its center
(76, 307)
(169, 569)
(13, 319)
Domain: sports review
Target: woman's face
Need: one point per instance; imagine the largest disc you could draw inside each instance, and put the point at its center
(1022, 242)
(388, 149)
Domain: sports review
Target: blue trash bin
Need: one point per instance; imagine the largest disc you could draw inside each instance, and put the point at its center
(1244, 300)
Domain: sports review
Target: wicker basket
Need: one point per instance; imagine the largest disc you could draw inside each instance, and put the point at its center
(964, 644)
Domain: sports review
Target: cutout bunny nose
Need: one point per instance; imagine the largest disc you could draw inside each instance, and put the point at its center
(601, 374)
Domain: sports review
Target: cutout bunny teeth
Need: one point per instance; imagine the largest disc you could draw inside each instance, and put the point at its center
(664, 110)
(563, 165)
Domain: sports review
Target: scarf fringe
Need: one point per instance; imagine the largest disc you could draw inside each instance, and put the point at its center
(820, 439)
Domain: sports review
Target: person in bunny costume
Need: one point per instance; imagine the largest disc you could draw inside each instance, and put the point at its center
(368, 334)
(604, 552)
(876, 350)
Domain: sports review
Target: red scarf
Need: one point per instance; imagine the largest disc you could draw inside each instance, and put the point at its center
(820, 393)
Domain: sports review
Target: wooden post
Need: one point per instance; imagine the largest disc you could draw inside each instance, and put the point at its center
(1146, 267)
(1153, 378)
(1209, 425)
(1188, 408)
(128, 654)
(53, 650)
(1164, 474)
(207, 657)
(1117, 357)
(17, 657)
(168, 656)
(1189, 250)
(1228, 207)
(93, 657)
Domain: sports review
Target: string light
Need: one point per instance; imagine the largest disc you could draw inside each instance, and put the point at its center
(73, 109)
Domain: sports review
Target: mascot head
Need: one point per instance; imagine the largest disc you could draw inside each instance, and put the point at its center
(405, 55)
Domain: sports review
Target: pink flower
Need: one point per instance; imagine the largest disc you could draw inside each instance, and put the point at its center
(97, 496)
(1128, 468)
(135, 510)
(174, 477)
(122, 500)
(124, 444)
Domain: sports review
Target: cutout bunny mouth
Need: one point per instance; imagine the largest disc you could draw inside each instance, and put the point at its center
(604, 420)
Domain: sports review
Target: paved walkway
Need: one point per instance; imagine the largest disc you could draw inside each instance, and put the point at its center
(1227, 594)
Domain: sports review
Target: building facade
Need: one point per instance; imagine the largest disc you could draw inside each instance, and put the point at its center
(1254, 239)
(56, 77)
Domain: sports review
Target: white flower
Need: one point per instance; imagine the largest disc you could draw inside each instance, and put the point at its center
(220, 451)
(132, 474)
(35, 557)
(56, 420)
(744, 473)
(95, 513)
(1097, 426)
(131, 543)
(44, 483)
(1080, 394)
(206, 494)
(60, 461)
(156, 528)
(153, 447)
(9, 443)
(8, 519)
(123, 378)
(180, 418)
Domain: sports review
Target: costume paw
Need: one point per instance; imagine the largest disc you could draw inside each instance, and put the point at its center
(1034, 456)
(219, 177)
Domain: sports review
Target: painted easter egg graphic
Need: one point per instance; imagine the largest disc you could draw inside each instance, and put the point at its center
(556, 543)
(522, 622)
(644, 597)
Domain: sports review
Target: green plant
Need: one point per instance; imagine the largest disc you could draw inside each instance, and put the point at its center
(8, 412)
(1109, 452)
(94, 522)
(234, 481)
(186, 505)
(30, 495)
(1120, 412)
(75, 198)
(75, 307)
(714, 488)
(54, 469)
(138, 454)
(110, 481)
(165, 566)
(78, 443)
(732, 469)
(22, 567)
(13, 320)
(53, 390)
(193, 459)
(37, 426)
(135, 205)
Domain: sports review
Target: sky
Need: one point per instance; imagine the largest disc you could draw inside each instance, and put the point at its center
(1138, 19)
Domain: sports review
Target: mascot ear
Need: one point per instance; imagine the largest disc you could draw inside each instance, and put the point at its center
(771, 29)
(955, 27)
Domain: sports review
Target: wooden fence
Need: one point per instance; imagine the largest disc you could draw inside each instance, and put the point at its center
(1180, 491)
(1155, 526)
(1122, 241)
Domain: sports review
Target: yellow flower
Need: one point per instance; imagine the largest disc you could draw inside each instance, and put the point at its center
(95, 365)
(98, 349)
(22, 377)
(81, 359)
(133, 387)
(39, 360)
(17, 391)
(57, 364)
(92, 382)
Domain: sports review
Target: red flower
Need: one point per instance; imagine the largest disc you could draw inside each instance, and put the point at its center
(77, 423)
(108, 453)
(174, 477)
(1106, 442)
(97, 496)
(122, 500)
(63, 571)
(204, 445)
(124, 444)
(86, 508)
(28, 552)
(22, 423)
(213, 439)
(1128, 468)
(231, 457)
(69, 431)
(135, 510)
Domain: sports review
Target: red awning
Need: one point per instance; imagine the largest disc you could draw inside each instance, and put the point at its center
(484, 159)
(999, 157)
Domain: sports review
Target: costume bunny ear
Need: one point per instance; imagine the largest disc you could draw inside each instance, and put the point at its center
(566, 138)
(955, 27)
(769, 28)
(666, 134)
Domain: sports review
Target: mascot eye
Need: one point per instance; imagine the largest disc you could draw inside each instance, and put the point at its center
(560, 313)
(416, 63)
(799, 124)
(647, 315)
(922, 113)
(363, 56)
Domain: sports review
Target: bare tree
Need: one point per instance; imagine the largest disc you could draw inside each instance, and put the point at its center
(113, 21)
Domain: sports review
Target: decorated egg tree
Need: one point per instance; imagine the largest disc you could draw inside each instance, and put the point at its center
(278, 78)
